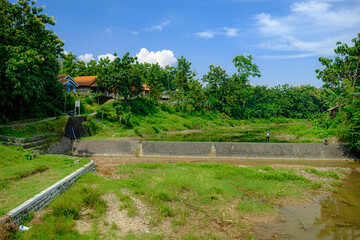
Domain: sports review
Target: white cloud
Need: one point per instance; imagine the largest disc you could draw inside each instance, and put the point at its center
(65, 52)
(86, 57)
(163, 58)
(157, 28)
(269, 26)
(311, 27)
(230, 32)
(206, 34)
(108, 55)
(225, 31)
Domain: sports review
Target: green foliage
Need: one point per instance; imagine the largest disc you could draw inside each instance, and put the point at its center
(349, 129)
(331, 174)
(143, 106)
(315, 185)
(183, 76)
(121, 77)
(254, 206)
(341, 82)
(107, 112)
(154, 77)
(46, 127)
(91, 126)
(28, 64)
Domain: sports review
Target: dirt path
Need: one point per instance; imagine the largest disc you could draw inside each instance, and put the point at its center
(106, 165)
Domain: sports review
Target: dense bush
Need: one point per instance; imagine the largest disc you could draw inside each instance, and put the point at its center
(107, 112)
(143, 106)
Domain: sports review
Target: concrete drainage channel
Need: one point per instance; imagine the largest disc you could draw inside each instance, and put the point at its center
(300, 151)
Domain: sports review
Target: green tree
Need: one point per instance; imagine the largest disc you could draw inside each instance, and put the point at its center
(29, 62)
(215, 78)
(92, 68)
(154, 80)
(69, 65)
(168, 80)
(344, 69)
(184, 74)
(195, 97)
(121, 77)
(245, 69)
(341, 81)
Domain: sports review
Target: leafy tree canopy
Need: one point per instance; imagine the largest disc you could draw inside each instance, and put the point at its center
(121, 77)
(28, 63)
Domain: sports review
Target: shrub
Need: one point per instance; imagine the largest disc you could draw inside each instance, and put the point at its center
(107, 112)
(166, 107)
(91, 126)
(66, 207)
(143, 106)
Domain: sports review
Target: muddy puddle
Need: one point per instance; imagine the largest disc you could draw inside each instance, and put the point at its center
(334, 216)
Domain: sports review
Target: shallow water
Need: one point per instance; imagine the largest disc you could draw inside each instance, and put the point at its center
(334, 216)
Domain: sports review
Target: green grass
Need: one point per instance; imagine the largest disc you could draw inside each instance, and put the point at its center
(323, 173)
(19, 130)
(191, 197)
(165, 126)
(22, 177)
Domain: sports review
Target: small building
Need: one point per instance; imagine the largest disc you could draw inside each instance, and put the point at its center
(69, 83)
(166, 95)
(87, 84)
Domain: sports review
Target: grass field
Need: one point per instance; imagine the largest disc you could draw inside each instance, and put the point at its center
(171, 201)
(24, 174)
(164, 126)
(28, 130)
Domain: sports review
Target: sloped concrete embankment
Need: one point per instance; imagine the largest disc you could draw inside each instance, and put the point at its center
(211, 149)
(39, 142)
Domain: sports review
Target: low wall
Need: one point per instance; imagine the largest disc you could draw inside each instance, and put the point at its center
(39, 142)
(211, 149)
(42, 199)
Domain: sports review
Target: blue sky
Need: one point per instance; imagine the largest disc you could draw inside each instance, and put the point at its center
(285, 37)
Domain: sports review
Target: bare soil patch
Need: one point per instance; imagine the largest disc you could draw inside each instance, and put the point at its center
(116, 221)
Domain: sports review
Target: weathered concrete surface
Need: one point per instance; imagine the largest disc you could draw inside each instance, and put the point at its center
(103, 148)
(211, 149)
(62, 147)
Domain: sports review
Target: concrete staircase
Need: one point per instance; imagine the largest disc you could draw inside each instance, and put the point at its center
(39, 143)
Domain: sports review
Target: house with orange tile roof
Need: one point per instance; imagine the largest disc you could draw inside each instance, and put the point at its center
(69, 83)
(83, 84)
(87, 84)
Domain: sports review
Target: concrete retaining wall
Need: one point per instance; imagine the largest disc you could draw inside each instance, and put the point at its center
(42, 199)
(39, 142)
(211, 149)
